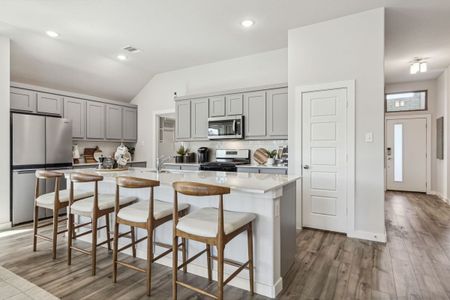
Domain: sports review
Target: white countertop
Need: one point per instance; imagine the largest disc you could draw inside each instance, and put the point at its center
(243, 182)
(239, 166)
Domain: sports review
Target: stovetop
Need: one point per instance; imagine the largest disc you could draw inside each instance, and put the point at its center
(227, 160)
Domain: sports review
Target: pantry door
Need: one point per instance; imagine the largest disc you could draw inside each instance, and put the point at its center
(324, 160)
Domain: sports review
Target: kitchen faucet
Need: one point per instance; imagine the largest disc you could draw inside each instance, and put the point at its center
(160, 161)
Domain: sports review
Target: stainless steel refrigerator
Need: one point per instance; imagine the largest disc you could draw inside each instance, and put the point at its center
(38, 142)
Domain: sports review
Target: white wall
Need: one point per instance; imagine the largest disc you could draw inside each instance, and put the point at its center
(4, 131)
(439, 180)
(348, 48)
(435, 109)
(259, 69)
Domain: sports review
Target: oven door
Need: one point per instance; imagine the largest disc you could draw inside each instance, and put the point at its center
(226, 128)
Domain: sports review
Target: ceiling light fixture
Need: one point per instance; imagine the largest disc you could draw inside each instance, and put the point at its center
(418, 65)
(122, 57)
(52, 34)
(247, 23)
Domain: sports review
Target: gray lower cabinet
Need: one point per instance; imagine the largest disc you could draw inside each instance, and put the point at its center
(113, 122)
(49, 104)
(247, 170)
(129, 124)
(263, 170)
(75, 110)
(142, 164)
(95, 120)
(199, 119)
(255, 111)
(277, 108)
(234, 105)
(172, 167)
(217, 106)
(190, 168)
(22, 100)
(183, 117)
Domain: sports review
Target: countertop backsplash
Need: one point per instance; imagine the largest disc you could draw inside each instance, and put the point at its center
(108, 148)
(232, 144)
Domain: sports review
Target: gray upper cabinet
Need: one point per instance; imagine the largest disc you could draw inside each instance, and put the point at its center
(49, 104)
(183, 117)
(199, 119)
(22, 100)
(75, 110)
(129, 124)
(277, 113)
(217, 106)
(255, 114)
(234, 104)
(113, 122)
(95, 120)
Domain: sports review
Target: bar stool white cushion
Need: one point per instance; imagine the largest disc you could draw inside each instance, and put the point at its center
(138, 212)
(85, 207)
(46, 200)
(203, 222)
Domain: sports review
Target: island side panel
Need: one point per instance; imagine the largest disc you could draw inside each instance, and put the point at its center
(288, 227)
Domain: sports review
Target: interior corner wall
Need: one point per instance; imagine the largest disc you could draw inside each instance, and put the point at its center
(439, 176)
(248, 71)
(4, 132)
(348, 48)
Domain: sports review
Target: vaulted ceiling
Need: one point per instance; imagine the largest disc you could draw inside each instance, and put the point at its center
(181, 33)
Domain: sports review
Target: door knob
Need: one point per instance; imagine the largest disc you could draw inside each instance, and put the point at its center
(306, 167)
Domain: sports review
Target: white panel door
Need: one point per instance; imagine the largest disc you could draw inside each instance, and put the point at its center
(406, 154)
(325, 159)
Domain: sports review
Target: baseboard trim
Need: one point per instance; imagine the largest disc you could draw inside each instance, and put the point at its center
(6, 225)
(370, 236)
(439, 195)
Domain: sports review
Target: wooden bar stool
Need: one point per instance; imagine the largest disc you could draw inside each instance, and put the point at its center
(147, 215)
(93, 207)
(55, 201)
(214, 227)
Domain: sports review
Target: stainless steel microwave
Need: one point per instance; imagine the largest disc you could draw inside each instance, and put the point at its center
(226, 128)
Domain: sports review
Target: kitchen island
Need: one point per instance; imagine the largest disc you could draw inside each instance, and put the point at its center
(271, 197)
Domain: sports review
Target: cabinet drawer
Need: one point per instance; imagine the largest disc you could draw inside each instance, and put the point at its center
(172, 167)
(189, 168)
(273, 171)
(49, 104)
(247, 170)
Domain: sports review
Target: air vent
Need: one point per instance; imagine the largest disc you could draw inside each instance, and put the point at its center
(131, 49)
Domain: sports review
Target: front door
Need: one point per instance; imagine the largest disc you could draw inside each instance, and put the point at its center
(325, 159)
(406, 154)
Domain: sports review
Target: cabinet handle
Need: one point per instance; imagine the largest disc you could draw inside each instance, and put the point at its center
(306, 167)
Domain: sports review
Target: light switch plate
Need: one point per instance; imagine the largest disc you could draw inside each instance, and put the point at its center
(369, 137)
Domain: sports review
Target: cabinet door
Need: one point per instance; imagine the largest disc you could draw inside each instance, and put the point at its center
(277, 112)
(113, 122)
(22, 100)
(255, 114)
(130, 124)
(183, 122)
(49, 104)
(247, 170)
(234, 104)
(75, 110)
(95, 120)
(217, 106)
(279, 171)
(199, 118)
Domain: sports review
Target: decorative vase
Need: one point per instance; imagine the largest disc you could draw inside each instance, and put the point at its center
(178, 159)
(270, 161)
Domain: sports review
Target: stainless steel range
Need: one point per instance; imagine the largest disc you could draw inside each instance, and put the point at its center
(227, 160)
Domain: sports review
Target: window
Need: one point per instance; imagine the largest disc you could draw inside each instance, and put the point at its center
(406, 101)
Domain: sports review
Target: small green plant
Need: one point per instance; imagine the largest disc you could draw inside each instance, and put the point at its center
(272, 154)
(182, 151)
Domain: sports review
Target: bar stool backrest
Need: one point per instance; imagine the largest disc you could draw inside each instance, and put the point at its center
(136, 183)
(200, 190)
(45, 175)
(85, 178)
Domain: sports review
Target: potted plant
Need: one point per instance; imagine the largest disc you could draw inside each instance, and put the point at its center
(272, 154)
(180, 154)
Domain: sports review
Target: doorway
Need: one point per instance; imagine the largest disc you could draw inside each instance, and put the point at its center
(165, 136)
(407, 153)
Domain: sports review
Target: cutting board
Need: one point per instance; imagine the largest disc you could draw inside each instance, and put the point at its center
(261, 156)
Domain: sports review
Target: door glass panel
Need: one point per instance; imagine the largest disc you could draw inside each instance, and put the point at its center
(398, 152)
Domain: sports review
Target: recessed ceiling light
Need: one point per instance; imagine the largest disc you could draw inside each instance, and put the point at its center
(247, 23)
(52, 34)
(122, 57)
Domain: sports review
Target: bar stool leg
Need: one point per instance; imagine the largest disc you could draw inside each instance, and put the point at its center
(250, 257)
(220, 265)
(55, 232)
(174, 266)
(71, 234)
(108, 235)
(35, 226)
(208, 257)
(183, 252)
(133, 241)
(149, 259)
(115, 247)
(94, 245)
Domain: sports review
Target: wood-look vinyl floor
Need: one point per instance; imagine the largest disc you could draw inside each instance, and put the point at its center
(413, 264)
